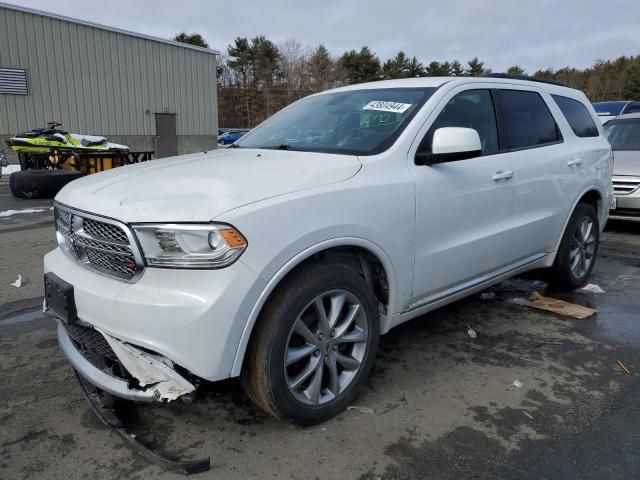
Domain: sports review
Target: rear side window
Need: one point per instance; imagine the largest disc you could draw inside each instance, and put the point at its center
(525, 120)
(632, 108)
(577, 115)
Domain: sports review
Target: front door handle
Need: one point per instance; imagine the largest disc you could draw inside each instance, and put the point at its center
(575, 162)
(502, 175)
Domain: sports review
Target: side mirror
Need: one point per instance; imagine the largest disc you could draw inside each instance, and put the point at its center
(450, 144)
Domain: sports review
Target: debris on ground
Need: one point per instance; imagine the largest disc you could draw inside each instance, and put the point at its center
(528, 414)
(487, 296)
(518, 384)
(361, 409)
(591, 288)
(520, 301)
(18, 282)
(471, 332)
(625, 369)
(9, 213)
(555, 306)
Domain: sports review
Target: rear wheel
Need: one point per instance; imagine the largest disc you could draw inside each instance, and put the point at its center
(40, 183)
(314, 345)
(578, 249)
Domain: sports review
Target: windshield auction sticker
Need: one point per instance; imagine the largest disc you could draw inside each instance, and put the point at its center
(383, 106)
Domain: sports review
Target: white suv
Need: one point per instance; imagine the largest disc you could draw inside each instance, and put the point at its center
(283, 258)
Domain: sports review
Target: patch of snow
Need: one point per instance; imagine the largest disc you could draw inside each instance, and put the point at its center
(18, 282)
(9, 169)
(116, 145)
(9, 213)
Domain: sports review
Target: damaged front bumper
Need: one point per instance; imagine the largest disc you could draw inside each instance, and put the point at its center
(157, 380)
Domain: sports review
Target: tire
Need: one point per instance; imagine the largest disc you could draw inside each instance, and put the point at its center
(266, 379)
(40, 183)
(563, 275)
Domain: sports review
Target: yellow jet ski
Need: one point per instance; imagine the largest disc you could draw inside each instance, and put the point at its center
(51, 140)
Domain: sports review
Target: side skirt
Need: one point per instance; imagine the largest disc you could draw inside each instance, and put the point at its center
(465, 289)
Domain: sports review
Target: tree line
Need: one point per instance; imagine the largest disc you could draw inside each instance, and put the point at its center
(257, 77)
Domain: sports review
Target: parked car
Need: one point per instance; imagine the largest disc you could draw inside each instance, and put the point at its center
(608, 110)
(231, 136)
(283, 258)
(624, 135)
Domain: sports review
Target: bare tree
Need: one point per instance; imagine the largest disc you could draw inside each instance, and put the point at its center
(294, 65)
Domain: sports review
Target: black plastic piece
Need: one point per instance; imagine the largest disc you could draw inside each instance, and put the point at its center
(109, 418)
(60, 299)
(522, 77)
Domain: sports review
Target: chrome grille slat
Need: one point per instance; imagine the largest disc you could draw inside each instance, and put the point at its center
(105, 231)
(102, 245)
(624, 185)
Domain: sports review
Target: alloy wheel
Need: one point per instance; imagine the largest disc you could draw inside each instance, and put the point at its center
(326, 347)
(582, 247)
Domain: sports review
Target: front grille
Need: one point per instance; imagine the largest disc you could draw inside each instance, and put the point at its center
(625, 184)
(89, 340)
(99, 244)
(105, 231)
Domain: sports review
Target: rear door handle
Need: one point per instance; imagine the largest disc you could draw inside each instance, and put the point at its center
(502, 175)
(575, 163)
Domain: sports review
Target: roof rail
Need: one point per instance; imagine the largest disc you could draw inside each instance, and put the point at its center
(521, 77)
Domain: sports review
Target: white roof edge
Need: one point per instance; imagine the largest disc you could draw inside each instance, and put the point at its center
(10, 6)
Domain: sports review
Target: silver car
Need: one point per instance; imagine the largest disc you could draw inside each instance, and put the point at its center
(624, 135)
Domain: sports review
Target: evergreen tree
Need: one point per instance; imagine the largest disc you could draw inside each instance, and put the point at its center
(456, 69)
(192, 39)
(516, 70)
(321, 68)
(475, 67)
(397, 67)
(358, 67)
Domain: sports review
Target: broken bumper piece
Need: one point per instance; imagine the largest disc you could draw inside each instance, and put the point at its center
(154, 374)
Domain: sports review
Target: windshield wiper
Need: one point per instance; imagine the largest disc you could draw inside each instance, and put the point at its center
(234, 145)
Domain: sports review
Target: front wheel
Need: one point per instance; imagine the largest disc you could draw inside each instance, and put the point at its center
(314, 345)
(578, 249)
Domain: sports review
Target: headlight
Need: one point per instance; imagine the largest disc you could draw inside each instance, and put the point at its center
(190, 245)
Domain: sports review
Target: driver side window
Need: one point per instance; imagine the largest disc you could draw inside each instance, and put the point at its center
(470, 109)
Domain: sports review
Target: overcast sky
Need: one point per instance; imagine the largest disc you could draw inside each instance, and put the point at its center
(533, 34)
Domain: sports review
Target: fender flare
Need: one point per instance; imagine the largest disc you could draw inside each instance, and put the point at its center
(275, 280)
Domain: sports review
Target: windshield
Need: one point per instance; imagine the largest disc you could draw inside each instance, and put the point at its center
(623, 134)
(355, 122)
(609, 108)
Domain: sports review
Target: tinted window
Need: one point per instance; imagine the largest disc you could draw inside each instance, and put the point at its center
(358, 122)
(623, 134)
(525, 119)
(632, 108)
(577, 115)
(609, 108)
(470, 109)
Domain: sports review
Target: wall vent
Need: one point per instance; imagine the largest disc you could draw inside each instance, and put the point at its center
(13, 81)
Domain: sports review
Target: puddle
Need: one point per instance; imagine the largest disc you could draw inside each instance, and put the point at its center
(24, 316)
(619, 323)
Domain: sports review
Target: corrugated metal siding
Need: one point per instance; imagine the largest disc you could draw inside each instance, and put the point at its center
(101, 82)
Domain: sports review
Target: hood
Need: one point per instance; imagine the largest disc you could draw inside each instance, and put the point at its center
(199, 187)
(626, 162)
